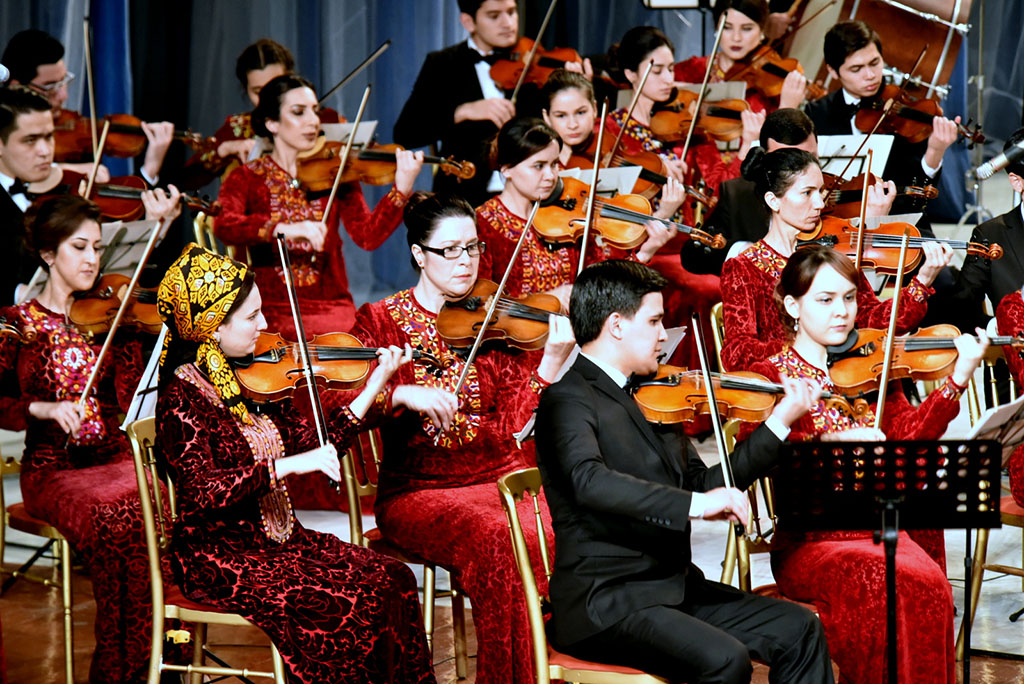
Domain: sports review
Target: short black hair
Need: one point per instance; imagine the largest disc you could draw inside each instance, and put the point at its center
(607, 287)
(261, 54)
(470, 7)
(1016, 167)
(521, 138)
(636, 43)
(845, 38)
(27, 50)
(15, 101)
(271, 97)
(787, 127)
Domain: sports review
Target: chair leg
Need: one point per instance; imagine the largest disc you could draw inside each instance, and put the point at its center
(65, 596)
(459, 627)
(977, 575)
(729, 562)
(279, 676)
(198, 652)
(156, 646)
(428, 605)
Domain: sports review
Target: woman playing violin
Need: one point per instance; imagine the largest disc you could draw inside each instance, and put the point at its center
(335, 611)
(77, 471)
(263, 199)
(789, 181)
(1010, 321)
(842, 573)
(442, 452)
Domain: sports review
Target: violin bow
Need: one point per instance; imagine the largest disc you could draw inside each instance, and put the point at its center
(345, 153)
(629, 112)
(300, 342)
(491, 307)
(355, 72)
(716, 419)
(532, 52)
(92, 91)
(591, 203)
(97, 156)
(863, 214)
(890, 340)
(704, 86)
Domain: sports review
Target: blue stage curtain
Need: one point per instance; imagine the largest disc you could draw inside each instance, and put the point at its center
(111, 67)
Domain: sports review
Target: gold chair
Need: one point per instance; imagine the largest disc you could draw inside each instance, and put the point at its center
(718, 331)
(360, 465)
(975, 406)
(168, 601)
(550, 664)
(202, 225)
(17, 518)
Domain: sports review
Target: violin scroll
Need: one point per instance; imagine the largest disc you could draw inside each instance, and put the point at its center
(992, 252)
(716, 241)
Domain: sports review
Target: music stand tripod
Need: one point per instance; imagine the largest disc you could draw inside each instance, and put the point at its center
(886, 486)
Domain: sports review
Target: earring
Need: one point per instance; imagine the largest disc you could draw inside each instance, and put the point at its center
(216, 337)
(796, 324)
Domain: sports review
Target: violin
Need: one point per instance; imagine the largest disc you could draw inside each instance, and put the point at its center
(677, 395)
(73, 136)
(843, 198)
(928, 354)
(619, 220)
(274, 370)
(522, 322)
(882, 244)
(375, 165)
(909, 117)
(506, 72)
(118, 200)
(93, 311)
(764, 70)
(719, 120)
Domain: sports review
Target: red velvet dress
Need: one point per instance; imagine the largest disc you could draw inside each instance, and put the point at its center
(336, 612)
(86, 490)
(843, 573)
(440, 501)
(258, 196)
(1010, 317)
(753, 329)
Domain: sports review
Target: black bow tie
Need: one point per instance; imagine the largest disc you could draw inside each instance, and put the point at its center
(497, 54)
(633, 383)
(18, 188)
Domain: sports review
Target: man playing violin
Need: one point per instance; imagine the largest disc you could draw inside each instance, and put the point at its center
(622, 493)
(36, 60)
(456, 102)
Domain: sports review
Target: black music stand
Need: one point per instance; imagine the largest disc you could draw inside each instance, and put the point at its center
(884, 486)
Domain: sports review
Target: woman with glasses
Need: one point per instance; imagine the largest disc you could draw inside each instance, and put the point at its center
(444, 450)
(263, 199)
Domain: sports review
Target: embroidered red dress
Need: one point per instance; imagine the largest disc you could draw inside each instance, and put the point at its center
(843, 573)
(258, 196)
(1010, 318)
(87, 489)
(753, 329)
(335, 611)
(440, 501)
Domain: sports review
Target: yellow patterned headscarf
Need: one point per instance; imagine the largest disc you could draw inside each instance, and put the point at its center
(193, 300)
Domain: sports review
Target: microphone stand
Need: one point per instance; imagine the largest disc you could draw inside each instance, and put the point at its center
(971, 182)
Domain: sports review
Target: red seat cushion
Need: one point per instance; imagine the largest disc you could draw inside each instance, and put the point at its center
(174, 597)
(376, 541)
(568, 662)
(22, 521)
(1009, 507)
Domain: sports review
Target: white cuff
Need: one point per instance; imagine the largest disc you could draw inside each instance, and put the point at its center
(774, 423)
(698, 504)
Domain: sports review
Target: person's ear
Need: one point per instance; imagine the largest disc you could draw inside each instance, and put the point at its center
(773, 202)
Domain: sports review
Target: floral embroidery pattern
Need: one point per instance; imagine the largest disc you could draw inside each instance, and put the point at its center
(765, 259)
(539, 269)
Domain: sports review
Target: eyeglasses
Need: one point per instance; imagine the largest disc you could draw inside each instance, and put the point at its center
(52, 87)
(453, 252)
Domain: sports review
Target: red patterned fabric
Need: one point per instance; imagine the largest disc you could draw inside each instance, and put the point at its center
(843, 573)
(1010, 320)
(753, 329)
(258, 196)
(440, 502)
(87, 491)
(336, 612)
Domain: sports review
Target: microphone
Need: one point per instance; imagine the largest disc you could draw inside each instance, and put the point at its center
(1000, 162)
(5, 74)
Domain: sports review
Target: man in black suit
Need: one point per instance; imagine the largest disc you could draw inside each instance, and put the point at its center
(26, 154)
(980, 276)
(622, 492)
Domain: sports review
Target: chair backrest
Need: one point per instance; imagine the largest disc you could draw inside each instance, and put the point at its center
(513, 488)
(359, 467)
(202, 226)
(8, 466)
(718, 331)
(975, 406)
(157, 518)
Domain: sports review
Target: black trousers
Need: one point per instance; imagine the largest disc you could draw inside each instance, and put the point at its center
(713, 640)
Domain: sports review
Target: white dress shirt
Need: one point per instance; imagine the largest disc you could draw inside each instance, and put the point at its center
(851, 100)
(490, 89)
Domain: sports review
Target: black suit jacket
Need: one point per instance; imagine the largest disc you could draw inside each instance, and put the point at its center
(741, 215)
(980, 276)
(16, 263)
(619, 489)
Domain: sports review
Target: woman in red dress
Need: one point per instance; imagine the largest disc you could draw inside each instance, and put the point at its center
(335, 611)
(1010, 320)
(442, 452)
(77, 471)
(843, 573)
(263, 199)
(790, 181)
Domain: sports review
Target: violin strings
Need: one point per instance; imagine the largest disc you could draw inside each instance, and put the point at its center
(635, 216)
